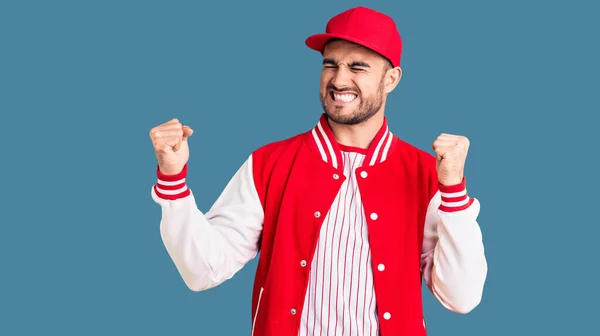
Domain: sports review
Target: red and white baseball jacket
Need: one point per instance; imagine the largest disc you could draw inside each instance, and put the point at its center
(346, 236)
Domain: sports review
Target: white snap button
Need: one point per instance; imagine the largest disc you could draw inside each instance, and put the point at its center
(363, 174)
(336, 176)
(387, 316)
(303, 263)
(373, 216)
(293, 311)
(381, 267)
(317, 214)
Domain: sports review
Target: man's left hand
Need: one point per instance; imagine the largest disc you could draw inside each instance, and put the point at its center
(451, 152)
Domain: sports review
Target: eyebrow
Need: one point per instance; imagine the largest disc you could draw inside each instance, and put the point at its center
(353, 64)
(360, 64)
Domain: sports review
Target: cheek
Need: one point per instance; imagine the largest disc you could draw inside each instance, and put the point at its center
(367, 88)
(324, 81)
(325, 78)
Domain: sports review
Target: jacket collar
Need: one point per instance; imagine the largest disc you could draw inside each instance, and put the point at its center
(329, 150)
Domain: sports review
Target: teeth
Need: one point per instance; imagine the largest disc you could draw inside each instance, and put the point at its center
(346, 98)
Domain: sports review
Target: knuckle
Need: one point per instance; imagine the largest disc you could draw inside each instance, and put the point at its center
(153, 131)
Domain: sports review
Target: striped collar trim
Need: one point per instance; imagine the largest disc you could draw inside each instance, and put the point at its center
(330, 152)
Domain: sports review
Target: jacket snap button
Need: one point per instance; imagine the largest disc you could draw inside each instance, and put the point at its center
(317, 214)
(373, 216)
(336, 176)
(293, 311)
(303, 263)
(387, 316)
(381, 267)
(363, 174)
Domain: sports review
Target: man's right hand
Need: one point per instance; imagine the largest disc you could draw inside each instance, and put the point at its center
(170, 145)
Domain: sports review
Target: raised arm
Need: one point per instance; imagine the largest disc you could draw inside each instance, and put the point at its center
(209, 248)
(453, 260)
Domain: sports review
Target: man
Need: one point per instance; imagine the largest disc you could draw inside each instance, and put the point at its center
(347, 217)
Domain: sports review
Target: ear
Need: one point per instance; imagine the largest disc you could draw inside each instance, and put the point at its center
(392, 78)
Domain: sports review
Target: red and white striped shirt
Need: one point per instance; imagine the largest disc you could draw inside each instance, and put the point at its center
(340, 299)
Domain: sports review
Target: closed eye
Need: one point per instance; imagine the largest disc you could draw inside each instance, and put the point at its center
(329, 63)
(359, 66)
(354, 66)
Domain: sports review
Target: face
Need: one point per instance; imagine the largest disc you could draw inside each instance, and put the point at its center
(354, 82)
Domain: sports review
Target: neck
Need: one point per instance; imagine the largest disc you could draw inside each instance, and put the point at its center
(360, 135)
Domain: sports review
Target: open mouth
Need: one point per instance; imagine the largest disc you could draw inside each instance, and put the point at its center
(342, 97)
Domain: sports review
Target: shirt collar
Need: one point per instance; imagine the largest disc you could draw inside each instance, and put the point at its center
(329, 150)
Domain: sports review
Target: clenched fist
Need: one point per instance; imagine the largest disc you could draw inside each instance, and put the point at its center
(451, 152)
(170, 145)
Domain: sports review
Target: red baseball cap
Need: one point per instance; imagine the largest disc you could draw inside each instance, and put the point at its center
(363, 26)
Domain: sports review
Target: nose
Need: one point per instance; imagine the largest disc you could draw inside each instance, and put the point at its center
(342, 77)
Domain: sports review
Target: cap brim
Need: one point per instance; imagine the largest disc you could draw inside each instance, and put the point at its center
(317, 42)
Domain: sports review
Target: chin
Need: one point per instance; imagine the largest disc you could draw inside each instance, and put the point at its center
(343, 116)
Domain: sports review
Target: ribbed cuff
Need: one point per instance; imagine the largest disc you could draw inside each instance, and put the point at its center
(454, 197)
(171, 187)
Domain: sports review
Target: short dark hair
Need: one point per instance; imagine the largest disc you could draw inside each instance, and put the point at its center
(388, 64)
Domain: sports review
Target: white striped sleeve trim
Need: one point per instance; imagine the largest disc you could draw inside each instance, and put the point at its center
(171, 187)
(170, 183)
(454, 198)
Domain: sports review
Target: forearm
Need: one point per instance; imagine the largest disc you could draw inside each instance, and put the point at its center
(194, 246)
(458, 264)
(210, 248)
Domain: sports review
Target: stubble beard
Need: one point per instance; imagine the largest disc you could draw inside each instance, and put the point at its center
(367, 108)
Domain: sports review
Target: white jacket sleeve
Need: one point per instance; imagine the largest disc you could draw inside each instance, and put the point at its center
(210, 248)
(453, 261)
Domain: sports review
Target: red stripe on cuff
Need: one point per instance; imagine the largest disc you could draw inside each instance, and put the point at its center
(456, 208)
(172, 197)
(454, 199)
(453, 188)
(182, 174)
(170, 187)
(165, 189)
(453, 202)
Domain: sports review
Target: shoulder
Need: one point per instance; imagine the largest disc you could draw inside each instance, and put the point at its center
(274, 157)
(280, 153)
(409, 152)
(417, 162)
